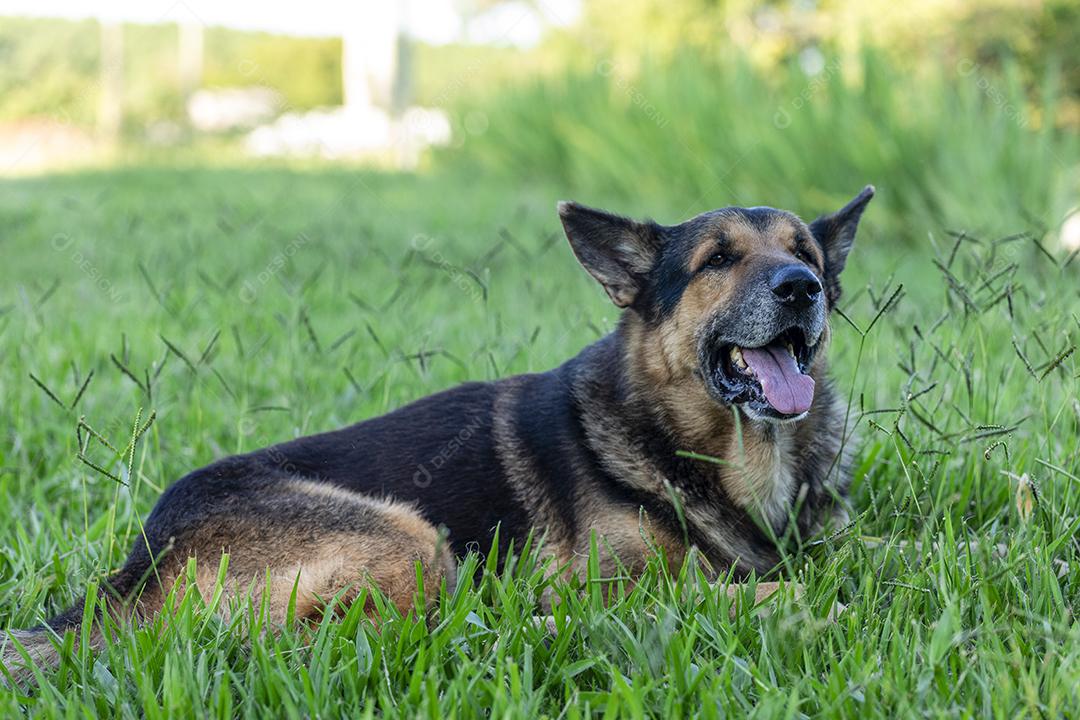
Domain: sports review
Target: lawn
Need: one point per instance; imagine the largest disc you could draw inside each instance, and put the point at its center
(153, 320)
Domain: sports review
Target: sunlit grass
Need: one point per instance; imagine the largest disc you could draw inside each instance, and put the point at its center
(248, 307)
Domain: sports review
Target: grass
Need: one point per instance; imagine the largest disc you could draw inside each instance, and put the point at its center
(235, 308)
(945, 135)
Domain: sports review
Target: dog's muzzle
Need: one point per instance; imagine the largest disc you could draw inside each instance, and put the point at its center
(759, 356)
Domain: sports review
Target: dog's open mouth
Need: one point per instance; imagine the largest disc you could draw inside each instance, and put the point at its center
(772, 379)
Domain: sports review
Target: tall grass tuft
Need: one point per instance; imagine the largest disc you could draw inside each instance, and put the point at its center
(693, 133)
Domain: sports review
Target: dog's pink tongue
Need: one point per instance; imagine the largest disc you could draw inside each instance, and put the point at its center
(786, 389)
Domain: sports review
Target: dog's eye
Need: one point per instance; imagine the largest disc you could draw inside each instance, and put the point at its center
(804, 256)
(719, 260)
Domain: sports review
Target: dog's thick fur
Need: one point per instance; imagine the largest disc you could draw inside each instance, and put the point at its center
(609, 442)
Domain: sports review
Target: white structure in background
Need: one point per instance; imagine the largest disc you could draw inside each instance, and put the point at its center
(376, 116)
(228, 109)
(372, 49)
(343, 132)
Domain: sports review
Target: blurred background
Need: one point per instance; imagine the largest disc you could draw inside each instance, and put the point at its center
(952, 105)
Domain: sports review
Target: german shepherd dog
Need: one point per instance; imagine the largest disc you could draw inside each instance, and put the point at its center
(719, 352)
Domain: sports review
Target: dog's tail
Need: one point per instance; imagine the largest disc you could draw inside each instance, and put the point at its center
(21, 651)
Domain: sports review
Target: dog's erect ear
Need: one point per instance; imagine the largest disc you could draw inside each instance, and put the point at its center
(617, 251)
(836, 234)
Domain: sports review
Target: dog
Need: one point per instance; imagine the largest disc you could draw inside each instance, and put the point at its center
(704, 420)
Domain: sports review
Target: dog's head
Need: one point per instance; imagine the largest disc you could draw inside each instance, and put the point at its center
(739, 297)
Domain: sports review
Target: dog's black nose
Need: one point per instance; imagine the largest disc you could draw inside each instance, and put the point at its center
(795, 286)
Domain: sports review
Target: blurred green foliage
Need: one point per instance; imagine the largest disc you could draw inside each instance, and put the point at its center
(152, 89)
(48, 68)
(919, 35)
(694, 103)
(700, 103)
(450, 74)
(305, 71)
(691, 134)
(51, 68)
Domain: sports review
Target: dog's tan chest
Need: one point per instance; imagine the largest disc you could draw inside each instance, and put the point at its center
(762, 477)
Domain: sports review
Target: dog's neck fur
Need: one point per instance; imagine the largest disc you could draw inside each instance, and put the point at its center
(638, 413)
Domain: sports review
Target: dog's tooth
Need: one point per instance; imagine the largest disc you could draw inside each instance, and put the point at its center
(737, 358)
(791, 349)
